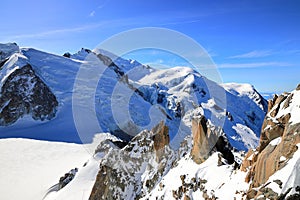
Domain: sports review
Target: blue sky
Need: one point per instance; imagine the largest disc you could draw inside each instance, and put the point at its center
(252, 41)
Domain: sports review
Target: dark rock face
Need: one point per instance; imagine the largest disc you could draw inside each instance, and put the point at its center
(23, 93)
(108, 62)
(224, 147)
(67, 55)
(67, 178)
(2, 62)
(298, 87)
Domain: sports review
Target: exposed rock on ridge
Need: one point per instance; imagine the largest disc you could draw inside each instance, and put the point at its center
(23, 92)
(204, 140)
(207, 139)
(121, 171)
(279, 139)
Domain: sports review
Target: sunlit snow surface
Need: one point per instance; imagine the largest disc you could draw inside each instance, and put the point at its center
(30, 167)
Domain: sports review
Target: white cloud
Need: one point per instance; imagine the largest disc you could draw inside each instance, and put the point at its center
(254, 54)
(254, 65)
(92, 14)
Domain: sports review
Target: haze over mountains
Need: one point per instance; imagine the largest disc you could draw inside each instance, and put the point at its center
(159, 133)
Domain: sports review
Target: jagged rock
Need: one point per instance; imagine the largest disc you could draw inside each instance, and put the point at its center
(186, 197)
(148, 152)
(268, 161)
(268, 193)
(23, 92)
(271, 102)
(267, 135)
(249, 160)
(205, 195)
(161, 138)
(206, 140)
(203, 140)
(279, 182)
(67, 178)
(288, 101)
(104, 177)
(278, 101)
(223, 146)
(265, 160)
(270, 129)
(67, 55)
(293, 197)
(251, 193)
(109, 62)
(284, 119)
(298, 87)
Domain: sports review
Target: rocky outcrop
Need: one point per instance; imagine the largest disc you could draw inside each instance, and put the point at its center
(121, 170)
(23, 92)
(161, 139)
(67, 178)
(109, 62)
(208, 139)
(204, 139)
(278, 140)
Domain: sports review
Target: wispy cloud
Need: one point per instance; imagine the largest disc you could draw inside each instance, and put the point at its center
(254, 54)
(103, 4)
(81, 28)
(133, 22)
(92, 14)
(295, 51)
(56, 31)
(254, 65)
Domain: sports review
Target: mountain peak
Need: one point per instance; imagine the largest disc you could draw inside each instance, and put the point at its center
(6, 50)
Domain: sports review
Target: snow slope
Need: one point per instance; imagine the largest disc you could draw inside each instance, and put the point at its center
(29, 167)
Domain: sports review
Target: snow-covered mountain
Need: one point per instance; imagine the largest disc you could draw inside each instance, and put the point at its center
(37, 98)
(159, 126)
(37, 92)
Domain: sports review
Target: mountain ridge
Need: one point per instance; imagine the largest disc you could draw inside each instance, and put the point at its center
(167, 98)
